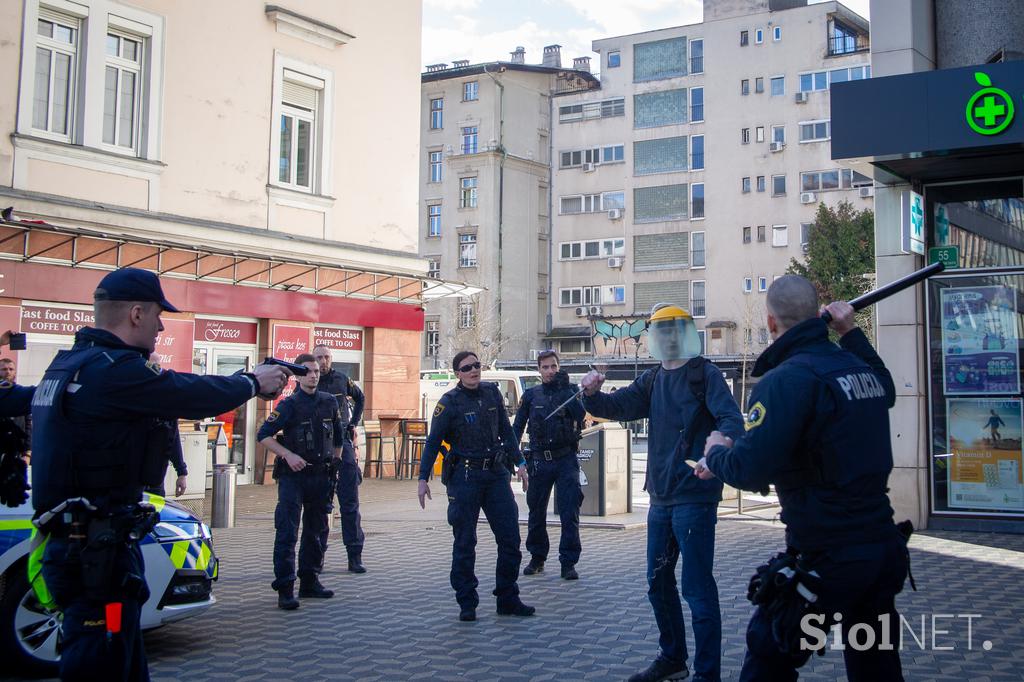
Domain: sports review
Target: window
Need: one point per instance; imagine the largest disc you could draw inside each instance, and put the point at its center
(467, 194)
(696, 105)
(748, 285)
(121, 103)
(665, 251)
(613, 295)
(696, 200)
(659, 108)
(467, 315)
(762, 335)
(815, 131)
(819, 180)
(300, 101)
(823, 80)
(780, 235)
(588, 110)
(697, 250)
(579, 296)
(745, 86)
(745, 185)
(778, 185)
(778, 86)
(469, 140)
(601, 248)
(665, 155)
(696, 56)
(470, 91)
(744, 38)
(436, 162)
(614, 59)
(842, 40)
(467, 250)
(762, 284)
(434, 220)
(760, 233)
(577, 157)
(437, 113)
(698, 302)
(817, 80)
(612, 154)
(779, 134)
(760, 183)
(745, 136)
(591, 203)
(759, 134)
(667, 202)
(570, 346)
(759, 84)
(659, 59)
(746, 235)
(432, 338)
(53, 99)
(610, 200)
(613, 247)
(777, 33)
(434, 267)
(697, 152)
(851, 178)
(805, 233)
(759, 36)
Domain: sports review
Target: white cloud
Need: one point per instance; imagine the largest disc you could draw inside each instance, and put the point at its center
(633, 16)
(452, 5)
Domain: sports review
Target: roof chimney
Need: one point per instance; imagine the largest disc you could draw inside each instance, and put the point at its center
(431, 68)
(460, 63)
(552, 56)
(581, 64)
(519, 56)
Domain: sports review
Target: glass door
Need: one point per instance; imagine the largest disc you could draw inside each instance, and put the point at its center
(240, 423)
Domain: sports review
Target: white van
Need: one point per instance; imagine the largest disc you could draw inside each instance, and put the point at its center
(511, 383)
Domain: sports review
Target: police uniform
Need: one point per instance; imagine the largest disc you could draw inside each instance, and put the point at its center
(349, 477)
(94, 413)
(312, 430)
(552, 463)
(829, 457)
(476, 425)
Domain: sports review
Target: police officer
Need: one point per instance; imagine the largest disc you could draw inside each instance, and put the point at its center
(829, 455)
(472, 418)
(349, 477)
(554, 437)
(15, 427)
(303, 469)
(174, 454)
(93, 412)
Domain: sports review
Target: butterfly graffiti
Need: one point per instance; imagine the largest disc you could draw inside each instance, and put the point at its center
(616, 335)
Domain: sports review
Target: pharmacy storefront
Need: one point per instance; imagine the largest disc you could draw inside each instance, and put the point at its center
(947, 151)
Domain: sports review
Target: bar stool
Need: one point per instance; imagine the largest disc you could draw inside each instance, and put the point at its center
(414, 437)
(372, 433)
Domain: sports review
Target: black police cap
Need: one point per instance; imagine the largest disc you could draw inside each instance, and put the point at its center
(132, 284)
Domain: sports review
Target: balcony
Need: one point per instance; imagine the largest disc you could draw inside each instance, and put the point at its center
(847, 44)
(469, 147)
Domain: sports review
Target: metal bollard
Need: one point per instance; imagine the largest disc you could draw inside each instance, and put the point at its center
(223, 514)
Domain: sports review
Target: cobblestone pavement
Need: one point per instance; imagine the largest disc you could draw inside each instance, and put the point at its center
(399, 620)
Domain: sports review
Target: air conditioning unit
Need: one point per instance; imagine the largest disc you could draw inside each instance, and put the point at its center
(595, 310)
(582, 311)
(800, 98)
(808, 197)
(588, 167)
(866, 192)
(615, 262)
(615, 214)
(805, 247)
(776, 146)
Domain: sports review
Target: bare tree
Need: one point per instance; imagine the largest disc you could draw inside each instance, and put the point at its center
(752, 316)
(482, 336)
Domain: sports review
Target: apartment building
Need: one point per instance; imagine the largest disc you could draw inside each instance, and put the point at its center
(485, 199)
(217, 144)
(693, 175)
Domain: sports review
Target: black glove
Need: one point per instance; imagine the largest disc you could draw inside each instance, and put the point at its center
(14, 485)
(561, 378)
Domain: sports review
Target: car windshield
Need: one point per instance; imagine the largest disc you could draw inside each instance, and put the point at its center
(528, 382)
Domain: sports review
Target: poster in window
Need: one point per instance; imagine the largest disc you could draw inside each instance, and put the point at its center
(979, 340)
(984, 454)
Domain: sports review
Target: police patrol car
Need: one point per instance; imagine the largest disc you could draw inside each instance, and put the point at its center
(180, 570)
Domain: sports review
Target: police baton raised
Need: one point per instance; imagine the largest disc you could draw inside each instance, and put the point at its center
(888, 290)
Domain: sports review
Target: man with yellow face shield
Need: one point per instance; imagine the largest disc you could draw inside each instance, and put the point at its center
(685, 399)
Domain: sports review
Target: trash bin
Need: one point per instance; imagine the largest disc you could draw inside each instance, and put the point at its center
(605, 470)
(223, 514)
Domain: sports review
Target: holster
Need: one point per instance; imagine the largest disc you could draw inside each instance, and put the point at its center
(785, 590)
(447, 468)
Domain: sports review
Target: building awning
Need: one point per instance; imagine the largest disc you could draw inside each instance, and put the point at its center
(574, 332)
(79, 247)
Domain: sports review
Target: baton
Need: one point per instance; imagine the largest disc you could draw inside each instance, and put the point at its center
(556, 410)
(888, 290)
(297, 370)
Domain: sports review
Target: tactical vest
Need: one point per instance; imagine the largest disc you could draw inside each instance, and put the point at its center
(108, 462)
(336, 383)
(310, 431)
(850, 437)
(560, 430)
(476, 414)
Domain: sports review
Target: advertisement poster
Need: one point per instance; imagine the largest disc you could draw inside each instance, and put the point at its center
(979, 340)
(174, 345)
(985, 447)
(288, 343)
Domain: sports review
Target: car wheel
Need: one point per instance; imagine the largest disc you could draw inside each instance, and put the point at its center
(31, 635)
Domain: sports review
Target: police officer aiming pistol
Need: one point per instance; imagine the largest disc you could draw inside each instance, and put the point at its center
(95, 450)
(304, 469)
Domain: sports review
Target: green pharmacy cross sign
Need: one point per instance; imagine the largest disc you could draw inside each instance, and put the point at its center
(990, 110)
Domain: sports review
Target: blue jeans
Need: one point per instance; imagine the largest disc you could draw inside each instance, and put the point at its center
(689, 529)
(564, 475)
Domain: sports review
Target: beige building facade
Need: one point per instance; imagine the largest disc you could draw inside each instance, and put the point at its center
(237, 163)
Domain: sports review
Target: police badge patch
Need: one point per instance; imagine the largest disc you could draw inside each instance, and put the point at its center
(273, 416)
(438, 410)
(153, 366)
(755, 416)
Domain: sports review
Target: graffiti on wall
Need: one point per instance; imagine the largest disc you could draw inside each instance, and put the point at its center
(623, 338)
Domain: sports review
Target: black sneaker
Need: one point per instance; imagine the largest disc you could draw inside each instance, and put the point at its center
(355, 564)
(467, 615)
(286, 599)
(312, 589)
(569, 572)
(516, 608)
(535, 566)
(662, 669)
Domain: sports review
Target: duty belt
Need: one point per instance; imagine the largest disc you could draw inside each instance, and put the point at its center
(478, 463)
(557, 453)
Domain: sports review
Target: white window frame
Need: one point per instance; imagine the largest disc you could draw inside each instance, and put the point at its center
(693, 310)
(435, 161)
(759, 134)
(464, 146)
(828, 130)
(771, 85)
(436, 114)
(618, 63)
(745, 185)
(588, 295)
(318, 78)
(805, 233)
(121, 67)
(606, 108)
(434, 267)
(466, 315)
(608, 296)
(780, 236)
(468, 193)
(778, 127)
(692, 118)
(762, 284)
(703, 154)
(72, 51)
(693, 250)
(704, 207)
(748, 285)
(430, 216)
(467, 245)
(470, 91)
(785, 189)
(776, 34)
(744, 135)
(758, 36)
(689, 50)
(760, 183)
(606, 248)
(432, 338)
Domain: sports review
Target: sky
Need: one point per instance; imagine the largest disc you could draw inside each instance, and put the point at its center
(488, 30)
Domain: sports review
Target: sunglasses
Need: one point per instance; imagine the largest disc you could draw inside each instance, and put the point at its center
(469, 368)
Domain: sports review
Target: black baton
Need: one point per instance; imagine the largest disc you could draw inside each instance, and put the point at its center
(888, 290)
